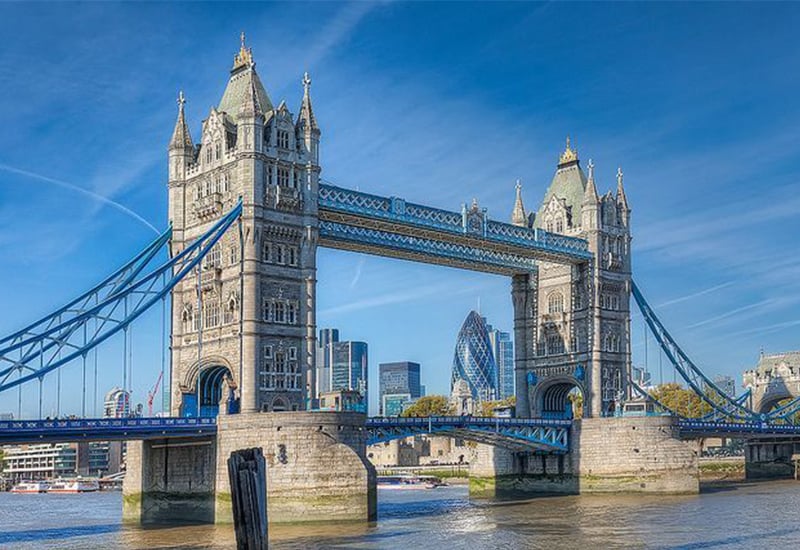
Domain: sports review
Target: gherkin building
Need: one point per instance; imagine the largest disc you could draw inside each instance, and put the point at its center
(473, 359)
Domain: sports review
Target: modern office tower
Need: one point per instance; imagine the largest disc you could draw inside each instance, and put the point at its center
(117, 404)
(503, 351)
(349, 367)
(327, 337)
(399, 384)
(473, 360)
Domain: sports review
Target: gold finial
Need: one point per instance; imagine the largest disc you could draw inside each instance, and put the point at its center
(569, 155)
(245, 56)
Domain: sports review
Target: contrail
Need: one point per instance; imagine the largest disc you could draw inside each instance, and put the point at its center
(96, 196)
(696, 294)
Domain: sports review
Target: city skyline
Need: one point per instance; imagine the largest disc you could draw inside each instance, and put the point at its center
(716, 266)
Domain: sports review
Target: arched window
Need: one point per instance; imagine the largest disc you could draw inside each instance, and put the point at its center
(559, 225)
(555, 303)
(555, 344)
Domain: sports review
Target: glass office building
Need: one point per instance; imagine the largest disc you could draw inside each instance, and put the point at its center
(473, 360)
(398, 380)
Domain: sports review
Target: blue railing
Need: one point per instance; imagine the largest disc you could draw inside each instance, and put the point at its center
(104, 429)
(398, 210)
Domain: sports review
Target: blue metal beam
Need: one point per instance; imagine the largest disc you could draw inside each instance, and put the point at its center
(103, 429)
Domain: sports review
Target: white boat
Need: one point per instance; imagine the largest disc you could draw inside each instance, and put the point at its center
(409, 482)
(74, 486)
(30, 487)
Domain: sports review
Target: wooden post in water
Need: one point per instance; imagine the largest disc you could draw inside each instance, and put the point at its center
(247, 472)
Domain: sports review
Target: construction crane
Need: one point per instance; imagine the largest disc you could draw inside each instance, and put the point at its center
(151, 394)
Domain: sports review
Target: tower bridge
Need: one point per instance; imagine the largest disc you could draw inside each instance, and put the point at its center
(247, 212)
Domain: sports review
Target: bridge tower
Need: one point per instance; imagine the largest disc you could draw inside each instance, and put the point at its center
(572, 322)
(243, 326)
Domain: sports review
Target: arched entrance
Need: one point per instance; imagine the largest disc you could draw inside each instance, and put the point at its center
(214, 387)
(561, 399)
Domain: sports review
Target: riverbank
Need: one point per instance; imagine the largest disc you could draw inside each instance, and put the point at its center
(718, 470)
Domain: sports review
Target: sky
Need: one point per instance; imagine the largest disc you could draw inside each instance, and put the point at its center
(436, 103)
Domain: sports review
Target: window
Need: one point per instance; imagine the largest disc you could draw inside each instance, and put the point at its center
(267, 135)
(266, 310)
(266, 252)
(279, 254)
(283, 177)
(233, 254)
(283, 139)
(280, 312)
(208, 155)
(217, 151)
(555, 303)
(609, 301)
(291, 313)
(559, 226)
(555, 344)
(292, 255)
(267, 352)
(611, 342)
(212, 259)
(226, 182)
(293, 353)
(211, 311)
(297, 175)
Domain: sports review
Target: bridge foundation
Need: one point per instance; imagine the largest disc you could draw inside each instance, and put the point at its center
(317, 470)
(608, 455)
(770, 459)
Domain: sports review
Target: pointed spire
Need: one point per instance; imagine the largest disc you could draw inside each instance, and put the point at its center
(590, 194)
(250, 106)
(621, 198)
(181, 138)
(306, 118)
(569, 156)
(518, 216)
(243, 59)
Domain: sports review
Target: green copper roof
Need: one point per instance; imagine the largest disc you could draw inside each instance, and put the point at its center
(236, 89)
(569, 183)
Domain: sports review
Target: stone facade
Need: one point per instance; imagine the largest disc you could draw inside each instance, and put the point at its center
(248, 313)
(572, 323)
(609, 455)
(775, 378)
(317, 469)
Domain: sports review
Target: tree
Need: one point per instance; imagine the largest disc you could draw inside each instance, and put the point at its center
(681, 400)
(576, 398)
(430, 405)
(488, 407)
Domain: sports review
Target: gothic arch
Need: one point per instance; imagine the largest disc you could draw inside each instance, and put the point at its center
(551, 397)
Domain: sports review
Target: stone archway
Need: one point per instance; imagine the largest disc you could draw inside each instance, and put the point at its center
(209, 391)
(554, 398)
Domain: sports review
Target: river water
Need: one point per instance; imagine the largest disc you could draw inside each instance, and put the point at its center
(750, 516)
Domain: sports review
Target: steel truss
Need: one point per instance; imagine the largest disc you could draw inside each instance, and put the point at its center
(83, 324)
(519, 434)
(467, 239)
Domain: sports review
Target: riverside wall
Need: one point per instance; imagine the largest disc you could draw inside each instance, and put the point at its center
(317, 470)
(608, 455)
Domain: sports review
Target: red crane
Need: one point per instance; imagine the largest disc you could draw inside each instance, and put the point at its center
(151, 394)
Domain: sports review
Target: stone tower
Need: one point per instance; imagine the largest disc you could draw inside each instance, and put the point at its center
(243, 325)
(572, 323)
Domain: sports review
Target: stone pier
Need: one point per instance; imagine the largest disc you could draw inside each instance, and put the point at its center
(317, 470)
(770, 458)
(609, 455)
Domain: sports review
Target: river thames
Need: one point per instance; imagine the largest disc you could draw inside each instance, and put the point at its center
(762, 515)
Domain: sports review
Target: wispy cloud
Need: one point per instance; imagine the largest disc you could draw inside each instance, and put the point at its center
(357, 275)
(695, 294)
(398, 297)
(72, 187)
(732, 313)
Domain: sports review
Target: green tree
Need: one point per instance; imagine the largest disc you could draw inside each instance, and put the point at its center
(430, 405)
(488, 407)
(681, 400)
(576, 398)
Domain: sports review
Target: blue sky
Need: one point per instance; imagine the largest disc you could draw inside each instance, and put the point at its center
(437, 103)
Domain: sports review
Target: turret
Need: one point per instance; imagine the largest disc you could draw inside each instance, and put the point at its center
(181, 148)
(590, 207)
(306, 128)
(622, 201)
(518, 216)
(250, 115)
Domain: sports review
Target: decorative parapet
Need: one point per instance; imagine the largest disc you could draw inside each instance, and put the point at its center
(472, 222)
